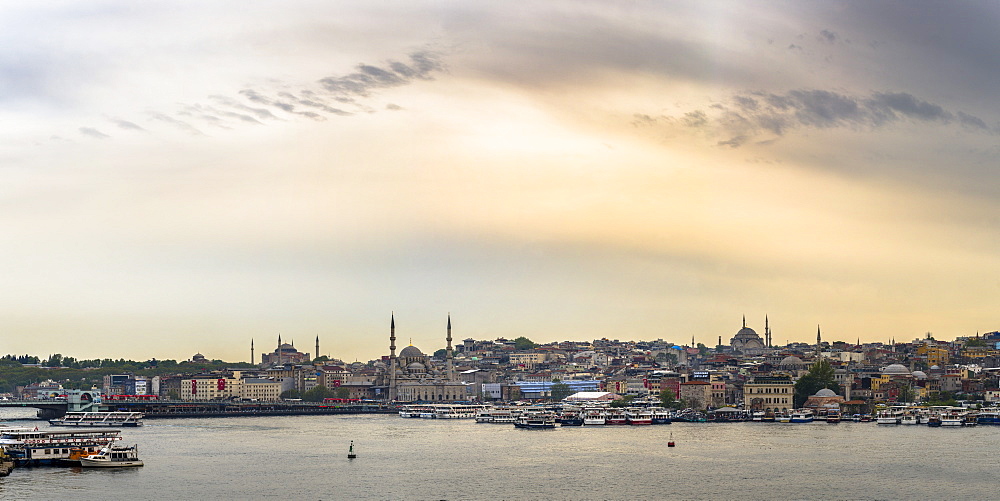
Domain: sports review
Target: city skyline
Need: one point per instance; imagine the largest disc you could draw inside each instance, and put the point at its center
(183, 178)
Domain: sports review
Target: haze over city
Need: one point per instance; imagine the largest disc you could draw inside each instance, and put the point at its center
(186, 177)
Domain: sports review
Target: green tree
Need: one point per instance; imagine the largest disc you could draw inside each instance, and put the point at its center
(440, 354)
(293, 393)
(317, 394)
(976, 343)
(820, 376)
(523, 343)
(702, 349)
(341, 392)
(622, 402)
(560, 391)
(668, 399)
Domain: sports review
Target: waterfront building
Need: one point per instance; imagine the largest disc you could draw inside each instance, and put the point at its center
(697, 394)
(775, 393)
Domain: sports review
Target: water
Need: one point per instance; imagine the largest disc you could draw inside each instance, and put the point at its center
(305, 457)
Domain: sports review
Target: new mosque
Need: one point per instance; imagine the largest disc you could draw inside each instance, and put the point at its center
(412, 376)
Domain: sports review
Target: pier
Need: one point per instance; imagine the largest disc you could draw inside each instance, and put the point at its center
(50, 409)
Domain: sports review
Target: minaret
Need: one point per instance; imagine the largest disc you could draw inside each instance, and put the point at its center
(392, 356)
(744, 321)
(767, 332)
(279, 349)
(317, 346)
(818, 341)
(251, 351)
(449, 366)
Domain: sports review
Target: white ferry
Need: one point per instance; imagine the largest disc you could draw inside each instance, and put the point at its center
(888, 417)
(99, 419)
(802, 416)
(46, 447)
(536, 420)
(498, 415)
(594, 417)
(456, 411)
(638, 416)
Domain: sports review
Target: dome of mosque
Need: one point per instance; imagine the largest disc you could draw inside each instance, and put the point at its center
(825, 392)
(791, 360)
(411, 351)
(746, 332)
(896, 369)
(920, 374)
(415, 366)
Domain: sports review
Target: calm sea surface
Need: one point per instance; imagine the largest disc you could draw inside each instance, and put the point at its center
(305, 457)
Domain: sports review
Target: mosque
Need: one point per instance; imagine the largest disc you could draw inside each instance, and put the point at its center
(748, 342)
(412, 377)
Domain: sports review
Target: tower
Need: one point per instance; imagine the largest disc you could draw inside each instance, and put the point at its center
(317, 346)
(251, 350)
(767, 332)
(279, 349)
(392, 356)
(818, 341)
(449, 366)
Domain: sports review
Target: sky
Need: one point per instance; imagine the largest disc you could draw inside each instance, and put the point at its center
(182, 177)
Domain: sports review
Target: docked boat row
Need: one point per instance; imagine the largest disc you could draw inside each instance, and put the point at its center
(441, 411)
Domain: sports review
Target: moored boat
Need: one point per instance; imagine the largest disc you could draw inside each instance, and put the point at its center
(113, 457)
(593, 417)
(536, 420)
(833, 416)
(802, 416)
(99, 419)
(639, 416)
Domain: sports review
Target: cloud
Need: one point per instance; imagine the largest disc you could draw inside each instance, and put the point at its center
(92, 132)
(369, 78)
(125, 124)
(180, 124)
(745, 116)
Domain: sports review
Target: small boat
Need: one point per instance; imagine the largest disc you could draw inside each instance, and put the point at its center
(112, 457)
(833, 416)
(887, 417)
(934, 421)
(757, 416)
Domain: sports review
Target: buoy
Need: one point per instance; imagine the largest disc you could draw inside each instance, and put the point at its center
(671, 442)
(350, 452)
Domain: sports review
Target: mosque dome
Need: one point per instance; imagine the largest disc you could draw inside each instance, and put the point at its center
(791, 360)
(920, 374)
(896, 370)
(411, 351)
(415, 367)
(935, 367)
(825, 392)
(379, 365)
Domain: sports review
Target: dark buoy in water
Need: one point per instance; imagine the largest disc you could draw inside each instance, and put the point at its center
(350, 452)
(670, 443)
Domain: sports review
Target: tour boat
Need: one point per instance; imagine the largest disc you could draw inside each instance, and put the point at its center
(99, 419)
(661, 416)
(616, 416)
(112, 457)
(887, 417)
(536, 420)
(934, 421)
(951, 419)
(833, 416)
(571, 417)
(594, 417)
(757, 416)
(908, 419)
(988, 416)
(639, 416)
(802, 416)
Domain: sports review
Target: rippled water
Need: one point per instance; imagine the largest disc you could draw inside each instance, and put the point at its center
(304, 457)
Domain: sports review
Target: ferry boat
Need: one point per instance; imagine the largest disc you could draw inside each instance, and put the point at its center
(50, 447)
(833, 416)
(536, 420)
(412, 411)
(497, 415)
(616, 416)
(113, 457)
(99, 419)
(887, 417)
(593, 417)
(802, 416)
(952, 419)
(455, 411)
(571, 417)
(757, 416)
(989, 416)
(639, 416)
(784, 417)
(661, 416)
(908, 419)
